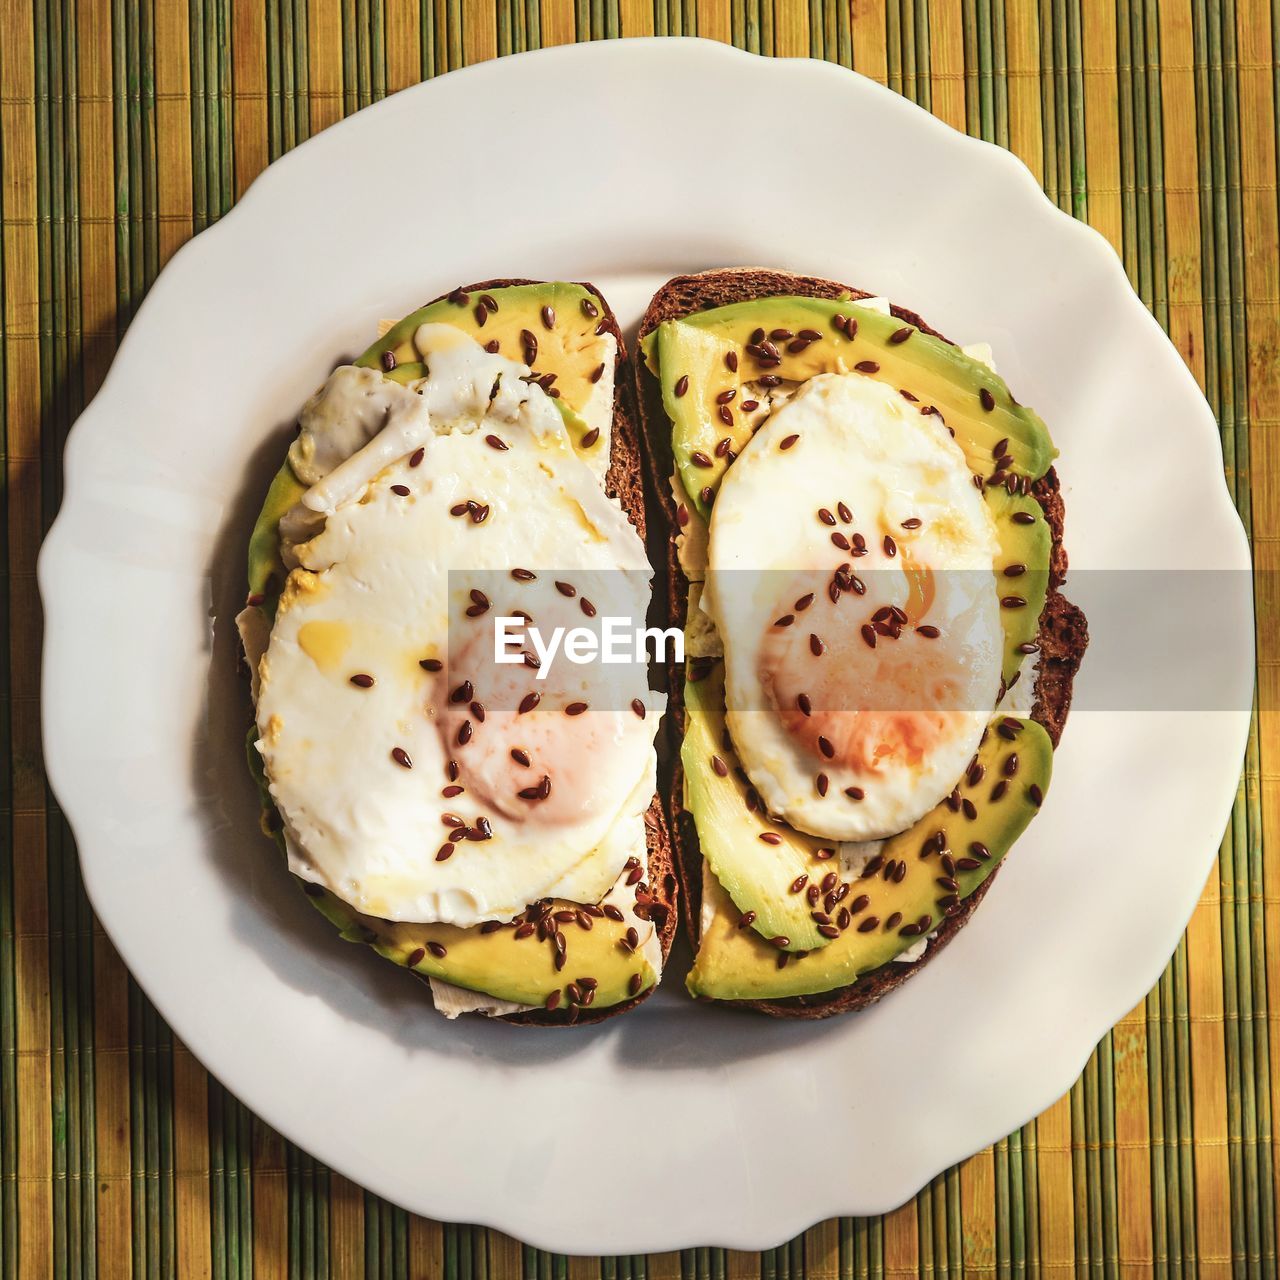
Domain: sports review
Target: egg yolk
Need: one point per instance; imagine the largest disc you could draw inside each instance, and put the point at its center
(537, 751)
(859, 688)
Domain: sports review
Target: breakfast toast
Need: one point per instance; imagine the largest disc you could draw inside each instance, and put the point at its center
(1061, 636)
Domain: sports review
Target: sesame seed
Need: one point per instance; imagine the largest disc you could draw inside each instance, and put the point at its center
(825, 516)
(464, 733)
(1023, 517)
(929, 632)
(804, 602)
(867, 366)
(726, 415)
(869, 635)
(401, 757)
(463, 693)
(731, 361)
(816, 647)
(838, 539)
(521, 756)
(388, 360)
(416, 457)
(682, 385)
(362, 681)
(821, 783)
(855, 793)
(480, 514)
(868, 923)
(496, 442)
(400, 490)
(824, 745)
(1035, 795)
(770, 837)
(719, 766)
(890, 547)
(746, 920)
(750, 406)
(788, 442)
(806, 707)
(597, 373)
(987, 400)
(786, 620)
(587, 607)
(445, 851)
(575, 708)
(638, 707)
(700, 459)
(548, 318)
(591, 437)
(1012, 602)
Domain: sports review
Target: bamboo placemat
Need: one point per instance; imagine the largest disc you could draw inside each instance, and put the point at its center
(125, 127)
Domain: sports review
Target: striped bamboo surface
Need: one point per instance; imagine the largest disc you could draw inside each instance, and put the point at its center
(125, 127)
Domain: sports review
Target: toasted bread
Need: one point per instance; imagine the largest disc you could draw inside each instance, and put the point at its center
(1063, 634)
(624, 482)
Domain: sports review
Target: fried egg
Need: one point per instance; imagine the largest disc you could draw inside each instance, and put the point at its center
(850, 578)
(419, 778)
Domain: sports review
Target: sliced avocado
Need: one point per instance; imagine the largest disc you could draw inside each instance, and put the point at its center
(764, 866)
(572, 346)
(946, 856)
(1021, 568)
(705, 359)
(266, 569)
(496, 962)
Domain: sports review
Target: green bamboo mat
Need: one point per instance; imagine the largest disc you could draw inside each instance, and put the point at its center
(125, 127)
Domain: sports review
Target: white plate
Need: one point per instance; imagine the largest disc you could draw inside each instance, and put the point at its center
(621, 163)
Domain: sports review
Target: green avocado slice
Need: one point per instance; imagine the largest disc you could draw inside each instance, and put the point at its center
(764, 866)
(997, 800)
(495, 962)
(703, 357)
(1021, 569)
(572, 347)
(266, 569)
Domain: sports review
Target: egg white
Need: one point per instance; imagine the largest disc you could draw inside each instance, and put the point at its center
(372, 595)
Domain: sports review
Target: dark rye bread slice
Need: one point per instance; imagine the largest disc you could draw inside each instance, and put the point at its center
(1063, 635)
(623, 481)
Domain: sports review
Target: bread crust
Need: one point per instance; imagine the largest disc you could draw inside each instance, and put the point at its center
(1063, 635)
